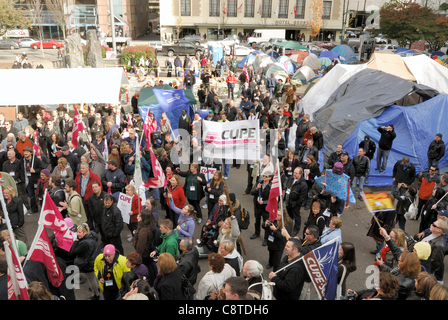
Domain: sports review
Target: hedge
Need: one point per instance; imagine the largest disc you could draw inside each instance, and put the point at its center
(138, 51)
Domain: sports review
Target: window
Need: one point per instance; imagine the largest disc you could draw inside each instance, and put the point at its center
(232, 8)
(266, 8)
(326, 10)
(249, 6)
(300, 9)
(283, 9)
(214, 8)
(185, 7)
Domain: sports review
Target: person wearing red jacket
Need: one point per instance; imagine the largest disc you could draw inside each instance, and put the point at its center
(231, 81)
(136, 208)
(84, 179)
(178, 196)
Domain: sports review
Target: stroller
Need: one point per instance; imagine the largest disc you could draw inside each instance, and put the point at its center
(208, 241)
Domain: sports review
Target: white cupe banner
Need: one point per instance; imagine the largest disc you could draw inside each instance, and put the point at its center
(231, 140)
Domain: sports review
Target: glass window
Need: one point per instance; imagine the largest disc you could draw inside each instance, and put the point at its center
(214, 8)
(326, 10)
(266, 9)
(249, 6)
(232, 8)
(283, 8)
(300, 9)
(185, 8)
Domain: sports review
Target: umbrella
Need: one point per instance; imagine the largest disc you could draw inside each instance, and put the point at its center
(325, 61)
(290, 45)
(346, 53)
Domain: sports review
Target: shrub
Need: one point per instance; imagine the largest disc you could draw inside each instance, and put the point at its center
(138, 51)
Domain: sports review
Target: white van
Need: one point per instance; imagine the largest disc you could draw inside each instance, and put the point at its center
(263, 35)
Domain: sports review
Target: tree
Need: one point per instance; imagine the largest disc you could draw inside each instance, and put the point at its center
(56, 8)
(407, 22)
(315, 21)
(12, 17)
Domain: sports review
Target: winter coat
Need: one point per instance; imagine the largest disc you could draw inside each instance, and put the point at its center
(213, 281)
(169, 286)
(436, 150)
(387, 137)
(169, 243)
(112, 221)
(119, 267)
(92, 178)
(76, 209)
(361, 165)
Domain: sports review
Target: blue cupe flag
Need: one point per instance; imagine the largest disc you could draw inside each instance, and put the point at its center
(337, 184)
(322, 267)
(170, 99)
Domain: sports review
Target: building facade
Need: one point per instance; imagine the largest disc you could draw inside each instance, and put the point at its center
(223, 18)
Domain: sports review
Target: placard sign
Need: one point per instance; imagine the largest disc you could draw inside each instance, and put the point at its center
(125, 206)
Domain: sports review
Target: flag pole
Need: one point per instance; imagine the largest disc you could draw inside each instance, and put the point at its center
(281, 191)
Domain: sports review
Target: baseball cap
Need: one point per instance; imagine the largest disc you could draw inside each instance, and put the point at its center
(65, 148)
(443, 213)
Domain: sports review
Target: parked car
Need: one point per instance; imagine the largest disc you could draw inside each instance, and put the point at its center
(47, 44)
(275, 40)
(229, 41)
(157, 44)
(259, 46)
(9, 44)
(181, 48)
(197, 40)
(326, 45)
(239, 50)
(26, 42)
(386, 47)
(381, 39)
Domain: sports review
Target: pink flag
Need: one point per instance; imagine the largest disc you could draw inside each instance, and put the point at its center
(36, 145)
(42, 251)
(78, 126)
(272, 205)
(16, 279)
(53, 219)
(159, 180)
(147, 125)
(130, 120)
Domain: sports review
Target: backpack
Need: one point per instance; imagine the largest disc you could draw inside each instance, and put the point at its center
(156, 240)
(412, 211)
(243, 217)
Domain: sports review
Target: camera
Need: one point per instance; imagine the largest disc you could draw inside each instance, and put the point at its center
(350, 296)
(268, 224)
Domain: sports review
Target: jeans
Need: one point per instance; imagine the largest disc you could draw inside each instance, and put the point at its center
(178, 72)
(382, 154)
(432, 162)
(298, 143)
(32, 195)
(226, 168)
(361, 185)
(287, 138)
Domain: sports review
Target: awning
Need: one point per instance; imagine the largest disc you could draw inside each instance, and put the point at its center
(61, 86)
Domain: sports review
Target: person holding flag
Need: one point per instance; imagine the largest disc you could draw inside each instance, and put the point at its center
(32, 167)
(261, 197)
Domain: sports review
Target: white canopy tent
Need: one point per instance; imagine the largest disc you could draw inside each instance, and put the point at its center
(61, 86)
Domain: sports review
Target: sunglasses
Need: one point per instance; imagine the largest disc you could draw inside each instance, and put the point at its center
(435, 226)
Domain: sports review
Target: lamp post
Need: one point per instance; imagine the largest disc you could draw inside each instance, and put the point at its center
(112, 26)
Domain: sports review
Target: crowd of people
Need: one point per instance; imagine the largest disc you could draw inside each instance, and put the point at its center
(84, 183)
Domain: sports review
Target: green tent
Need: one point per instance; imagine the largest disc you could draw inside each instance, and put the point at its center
(148, 98)
(290, 45)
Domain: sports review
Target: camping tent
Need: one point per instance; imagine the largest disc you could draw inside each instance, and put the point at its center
(272, 53)
(305, 74)
(428, 72)
(365, 95)
(319, 93)
(312, 62)
(325, 61)
(290, 45)
(277, 69)
(247, 60)
(262, 60)
(416, 126)
(329, 54)
(346, 53)
(298, 56)
(61, 86)
(390, 63)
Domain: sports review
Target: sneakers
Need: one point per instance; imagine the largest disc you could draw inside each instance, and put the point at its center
(130, 238)
(200, 221)
(204, 206)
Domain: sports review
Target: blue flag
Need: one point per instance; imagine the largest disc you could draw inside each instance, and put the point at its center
(322, 267)
(170, 99)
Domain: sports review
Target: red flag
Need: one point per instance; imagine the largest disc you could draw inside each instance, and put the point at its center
(16, 279)
(295, 11)
(272, 205)
(240, 8)
(245, 72)
(159, 180)
(78, 126)
(53, 219)
(130, 120)
(36, 145)
(42, 251)
(224, 9)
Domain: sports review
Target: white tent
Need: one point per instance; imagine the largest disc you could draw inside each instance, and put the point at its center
(61, 86)
(428, 72)
(305, 74)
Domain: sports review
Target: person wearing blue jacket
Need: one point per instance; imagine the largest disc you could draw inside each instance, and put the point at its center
(185, 222)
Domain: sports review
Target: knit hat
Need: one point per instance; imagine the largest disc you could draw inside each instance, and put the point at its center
(223, 198)
(68, 222)
(423, 250)
(439, 135)
(45, 172)
(109, 249)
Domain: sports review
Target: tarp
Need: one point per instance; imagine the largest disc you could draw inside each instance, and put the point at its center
(148, 98)
(416, 126)
(428, 72)
(404, 52)
(320, 93)
(346, 53)
(290, 45)
(390, 63)
(365, 95)
(61, 86)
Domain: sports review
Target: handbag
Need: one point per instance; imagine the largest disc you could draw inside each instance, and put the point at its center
(58, 153)
(412, 211)
(187, 288)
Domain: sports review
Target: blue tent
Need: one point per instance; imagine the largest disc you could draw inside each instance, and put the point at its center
(329, 54)
(416, 126)
(249, 59)
(403, 51)
(345, 52)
